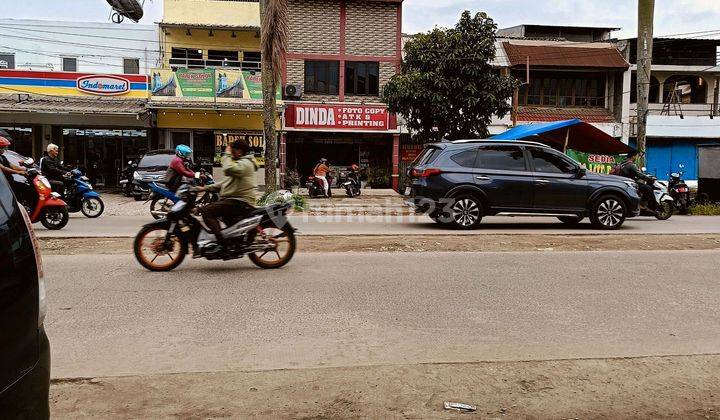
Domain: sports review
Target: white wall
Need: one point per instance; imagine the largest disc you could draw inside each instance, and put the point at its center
(99, 46)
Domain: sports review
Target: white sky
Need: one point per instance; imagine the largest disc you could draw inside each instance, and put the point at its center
(672, 16)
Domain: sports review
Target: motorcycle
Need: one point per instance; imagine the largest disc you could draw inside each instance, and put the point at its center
(679, 191)
(662, 204)
(46, 207)
(162, 200)
(162, 245)
(126, 182)
(316, 188)
(351, 182)
(79, 196)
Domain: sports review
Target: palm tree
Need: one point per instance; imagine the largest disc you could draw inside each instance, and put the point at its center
(273, 44)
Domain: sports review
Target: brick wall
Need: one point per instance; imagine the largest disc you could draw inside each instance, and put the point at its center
(371, 28)
(387, 70)
(314, 27)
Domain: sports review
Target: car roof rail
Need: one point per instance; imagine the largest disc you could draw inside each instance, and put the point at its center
(500, 141)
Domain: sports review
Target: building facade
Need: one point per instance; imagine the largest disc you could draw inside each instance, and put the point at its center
(341, 54)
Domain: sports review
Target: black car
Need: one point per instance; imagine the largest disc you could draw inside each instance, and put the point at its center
(458, 183)
(24, 347)
(152, 167)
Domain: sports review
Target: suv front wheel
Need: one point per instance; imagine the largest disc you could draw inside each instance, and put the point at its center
(608, 213)
(466, 212)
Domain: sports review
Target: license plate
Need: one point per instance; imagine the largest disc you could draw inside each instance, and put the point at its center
(408, 190)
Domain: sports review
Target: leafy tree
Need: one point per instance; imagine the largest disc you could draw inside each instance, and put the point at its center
(447, 87)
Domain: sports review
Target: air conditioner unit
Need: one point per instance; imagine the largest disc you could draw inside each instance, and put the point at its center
(293, 91)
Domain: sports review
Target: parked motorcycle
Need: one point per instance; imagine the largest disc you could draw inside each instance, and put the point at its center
(79, 196)
(679, 191)
(46, 207)
(661, 204)
(126, 181)
(263, 236)
(351, 181)
(316, 188)
(162, 200)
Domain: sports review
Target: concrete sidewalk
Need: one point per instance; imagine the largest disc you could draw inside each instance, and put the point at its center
(307, 224)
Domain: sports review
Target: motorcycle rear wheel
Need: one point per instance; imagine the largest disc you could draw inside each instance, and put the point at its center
(92, 207)
(664, 210)
(150, 245)
(285, 246)
(55, 218)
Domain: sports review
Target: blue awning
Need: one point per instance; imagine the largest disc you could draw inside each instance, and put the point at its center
(578, 135)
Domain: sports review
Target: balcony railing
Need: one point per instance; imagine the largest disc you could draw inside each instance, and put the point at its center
(192, 63)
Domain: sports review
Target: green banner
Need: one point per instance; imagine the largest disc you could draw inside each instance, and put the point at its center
(596, 162)
(196, 82)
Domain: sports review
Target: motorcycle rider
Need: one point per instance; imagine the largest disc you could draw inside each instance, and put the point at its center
(179, 168)
(53, 169)
(237, 190)
(629, 169)
(8, 169)
(320, 172)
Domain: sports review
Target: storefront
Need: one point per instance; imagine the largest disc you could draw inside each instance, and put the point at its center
(345, 134)
(99, 121)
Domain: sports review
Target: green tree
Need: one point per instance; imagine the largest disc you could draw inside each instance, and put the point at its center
(447, 87)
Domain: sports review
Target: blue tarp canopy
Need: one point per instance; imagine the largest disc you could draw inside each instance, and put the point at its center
(569, 134)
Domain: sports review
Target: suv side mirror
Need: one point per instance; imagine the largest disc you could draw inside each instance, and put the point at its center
(581, 172)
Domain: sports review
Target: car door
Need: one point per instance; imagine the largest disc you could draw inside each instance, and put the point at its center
(502, 173)
(558, 186)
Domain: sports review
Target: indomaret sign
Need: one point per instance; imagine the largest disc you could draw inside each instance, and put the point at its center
(338, 117)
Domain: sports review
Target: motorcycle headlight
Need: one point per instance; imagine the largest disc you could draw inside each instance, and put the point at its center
(136, 176)
(44, 181)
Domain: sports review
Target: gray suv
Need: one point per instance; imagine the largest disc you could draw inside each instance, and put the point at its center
(458, 183)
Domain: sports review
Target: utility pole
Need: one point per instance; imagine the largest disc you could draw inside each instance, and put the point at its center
(646, 13)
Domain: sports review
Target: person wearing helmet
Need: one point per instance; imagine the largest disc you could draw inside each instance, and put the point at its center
(8, 169)
(53, 169)
(179, 168)
(320, 172)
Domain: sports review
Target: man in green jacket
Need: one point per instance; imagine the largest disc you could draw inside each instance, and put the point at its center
(237, 190)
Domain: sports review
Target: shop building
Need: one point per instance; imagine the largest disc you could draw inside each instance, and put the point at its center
(341, 53)
(208, 90)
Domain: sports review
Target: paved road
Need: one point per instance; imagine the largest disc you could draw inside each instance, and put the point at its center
(128, 226)
(108, 317)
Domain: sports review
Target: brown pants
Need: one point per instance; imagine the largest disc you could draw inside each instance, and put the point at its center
(227, 209)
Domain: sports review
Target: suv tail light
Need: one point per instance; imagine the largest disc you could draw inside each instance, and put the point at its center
(425, 173)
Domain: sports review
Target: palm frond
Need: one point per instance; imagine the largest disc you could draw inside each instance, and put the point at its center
(274, 34)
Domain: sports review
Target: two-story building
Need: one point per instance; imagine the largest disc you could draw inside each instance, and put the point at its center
(208, 90)
(82, 85)
(341, 53)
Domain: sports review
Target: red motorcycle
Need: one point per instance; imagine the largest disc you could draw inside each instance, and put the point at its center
(46, 207)
(316, 188)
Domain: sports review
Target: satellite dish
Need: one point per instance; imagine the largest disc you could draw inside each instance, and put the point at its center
(131, 9)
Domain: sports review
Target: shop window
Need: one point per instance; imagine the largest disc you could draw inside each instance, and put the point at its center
(131, 66)
(222, 58)
(251, 60)
(69, 64)
(187, 57)
(7, 61)
(322, 77)
(362, 78)
(689, 89)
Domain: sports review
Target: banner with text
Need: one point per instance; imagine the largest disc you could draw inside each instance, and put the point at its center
(338, 117)
(208, 83)
(596, 162)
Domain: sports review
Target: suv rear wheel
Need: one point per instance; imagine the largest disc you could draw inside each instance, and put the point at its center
(466, 212)
(608, 213)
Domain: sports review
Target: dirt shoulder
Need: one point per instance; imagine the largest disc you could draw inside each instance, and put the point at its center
(431, 243)
(662, 387)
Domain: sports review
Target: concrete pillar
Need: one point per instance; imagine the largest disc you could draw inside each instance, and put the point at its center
(396, 162)
(625, 120)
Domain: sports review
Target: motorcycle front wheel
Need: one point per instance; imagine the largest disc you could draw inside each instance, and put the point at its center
(157, 251)
(664, 210)
(92, 207)
(282, 245)
(55, 218)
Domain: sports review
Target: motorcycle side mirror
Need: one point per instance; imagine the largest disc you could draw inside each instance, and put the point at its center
(581, 172)
(644, 169)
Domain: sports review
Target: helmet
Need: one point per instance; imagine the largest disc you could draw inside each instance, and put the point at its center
(323, 160)
(354, 167)
(4, 142)
(183, 151)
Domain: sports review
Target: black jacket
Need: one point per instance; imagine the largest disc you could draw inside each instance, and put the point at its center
(630, 170)
(53, 169)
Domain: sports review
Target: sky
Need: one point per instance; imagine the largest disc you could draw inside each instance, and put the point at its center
(671, 16)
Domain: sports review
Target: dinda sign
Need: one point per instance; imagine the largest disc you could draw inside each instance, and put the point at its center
(103, 85)
(348, 117)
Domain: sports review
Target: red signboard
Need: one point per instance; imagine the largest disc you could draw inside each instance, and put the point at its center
(339, 117)
(409, 152)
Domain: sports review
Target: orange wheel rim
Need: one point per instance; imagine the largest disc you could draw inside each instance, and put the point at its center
(154, 252)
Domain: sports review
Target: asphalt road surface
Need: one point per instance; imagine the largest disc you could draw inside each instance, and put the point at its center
(108, 317)
(128, 226)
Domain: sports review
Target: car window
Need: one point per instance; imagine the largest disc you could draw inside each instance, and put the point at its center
(507, 158)
(550, 162)
(465, 158)
(151, 161)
